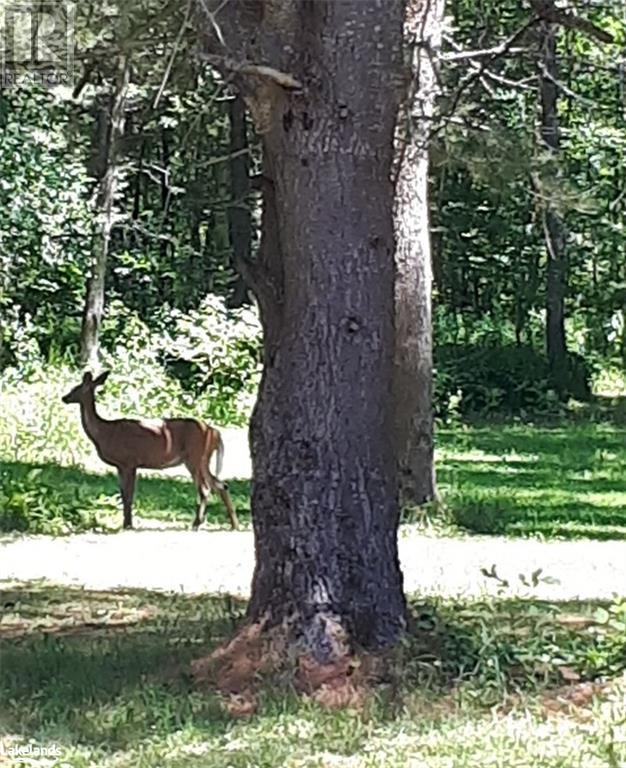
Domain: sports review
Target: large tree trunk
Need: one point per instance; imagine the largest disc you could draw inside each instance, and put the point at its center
(413, 380)
(554, 229)
(324, 491)
(239, 215)
(105, 160)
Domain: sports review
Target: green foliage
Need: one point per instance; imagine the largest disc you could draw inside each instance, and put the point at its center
(510, 379)
(30, 504)
(491, 179)
(217, 353)
(50, 499)
(34, 424)
(492, 648)
(205, 363)
(45, 229)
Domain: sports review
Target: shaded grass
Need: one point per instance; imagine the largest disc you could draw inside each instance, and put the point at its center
(565, 481)
(105, 676)
(171, 499)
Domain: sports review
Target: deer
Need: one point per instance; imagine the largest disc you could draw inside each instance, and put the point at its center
(132, 444)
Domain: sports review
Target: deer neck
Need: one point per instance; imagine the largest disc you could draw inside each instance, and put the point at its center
(92, 423)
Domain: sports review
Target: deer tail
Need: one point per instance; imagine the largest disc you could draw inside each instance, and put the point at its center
(219, 457)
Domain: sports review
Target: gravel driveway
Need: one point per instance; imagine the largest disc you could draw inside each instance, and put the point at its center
(221, 562)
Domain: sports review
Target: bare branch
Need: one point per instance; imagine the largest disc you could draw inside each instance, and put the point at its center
(478, 73)
(487, 74)
(172, 58)
(546, 10)
(461, 55)
(567, 91)
(275, 76)
(213, 21)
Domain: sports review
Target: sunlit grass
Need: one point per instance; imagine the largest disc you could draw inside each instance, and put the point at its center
(564, 481)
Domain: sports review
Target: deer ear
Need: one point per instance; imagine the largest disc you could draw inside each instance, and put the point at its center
(87, 377)
(99, 380)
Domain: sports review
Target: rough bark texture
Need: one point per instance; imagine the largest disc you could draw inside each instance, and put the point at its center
(105, 161)
(413, 379)
(324, 477)
(554, 229)
(239, 216)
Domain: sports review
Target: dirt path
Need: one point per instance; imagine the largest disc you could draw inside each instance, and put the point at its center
(221, 562)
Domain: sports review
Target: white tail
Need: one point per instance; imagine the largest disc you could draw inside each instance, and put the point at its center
(132, 444)
(219, 455)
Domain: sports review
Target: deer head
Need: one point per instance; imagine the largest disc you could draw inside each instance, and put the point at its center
(86, 387)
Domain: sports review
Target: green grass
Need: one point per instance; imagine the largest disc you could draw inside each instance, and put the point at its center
(53, 490)
(563, 481)
(105, 676)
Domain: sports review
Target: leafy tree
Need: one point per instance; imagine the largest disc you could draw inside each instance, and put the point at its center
(46, 226)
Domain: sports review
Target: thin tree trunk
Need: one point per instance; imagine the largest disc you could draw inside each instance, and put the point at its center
(239, 216)
(94, 302)
(413, 379)
(554, 228)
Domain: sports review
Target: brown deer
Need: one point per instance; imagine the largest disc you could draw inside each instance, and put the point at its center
(132, 444)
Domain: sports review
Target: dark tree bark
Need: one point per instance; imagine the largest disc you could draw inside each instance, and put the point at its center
(413, 379)
(324, 490)
(105, 160)
(554, 228)
(239, 215)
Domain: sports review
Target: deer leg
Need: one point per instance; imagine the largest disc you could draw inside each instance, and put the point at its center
(203, 495)
(127, 478)
(217, 486)
(228, 503)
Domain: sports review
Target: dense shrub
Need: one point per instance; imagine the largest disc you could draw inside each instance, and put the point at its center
(205, 362)
(46, 222)
(503, 379)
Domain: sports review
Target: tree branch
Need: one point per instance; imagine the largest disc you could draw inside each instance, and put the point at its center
(172, 59)
(461, 55)
(546, 10)
(275, 76)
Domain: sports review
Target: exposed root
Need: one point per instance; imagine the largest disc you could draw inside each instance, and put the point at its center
(234, 667)
(237, 670)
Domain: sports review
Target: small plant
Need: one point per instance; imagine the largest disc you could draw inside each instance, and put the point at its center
(30, 504)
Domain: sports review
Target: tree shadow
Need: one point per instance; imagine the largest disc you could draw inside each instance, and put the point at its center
(102, 667)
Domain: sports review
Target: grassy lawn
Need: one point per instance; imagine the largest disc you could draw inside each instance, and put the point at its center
(511, 478)
(46, 489)
(566, 481)
(105, 676)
